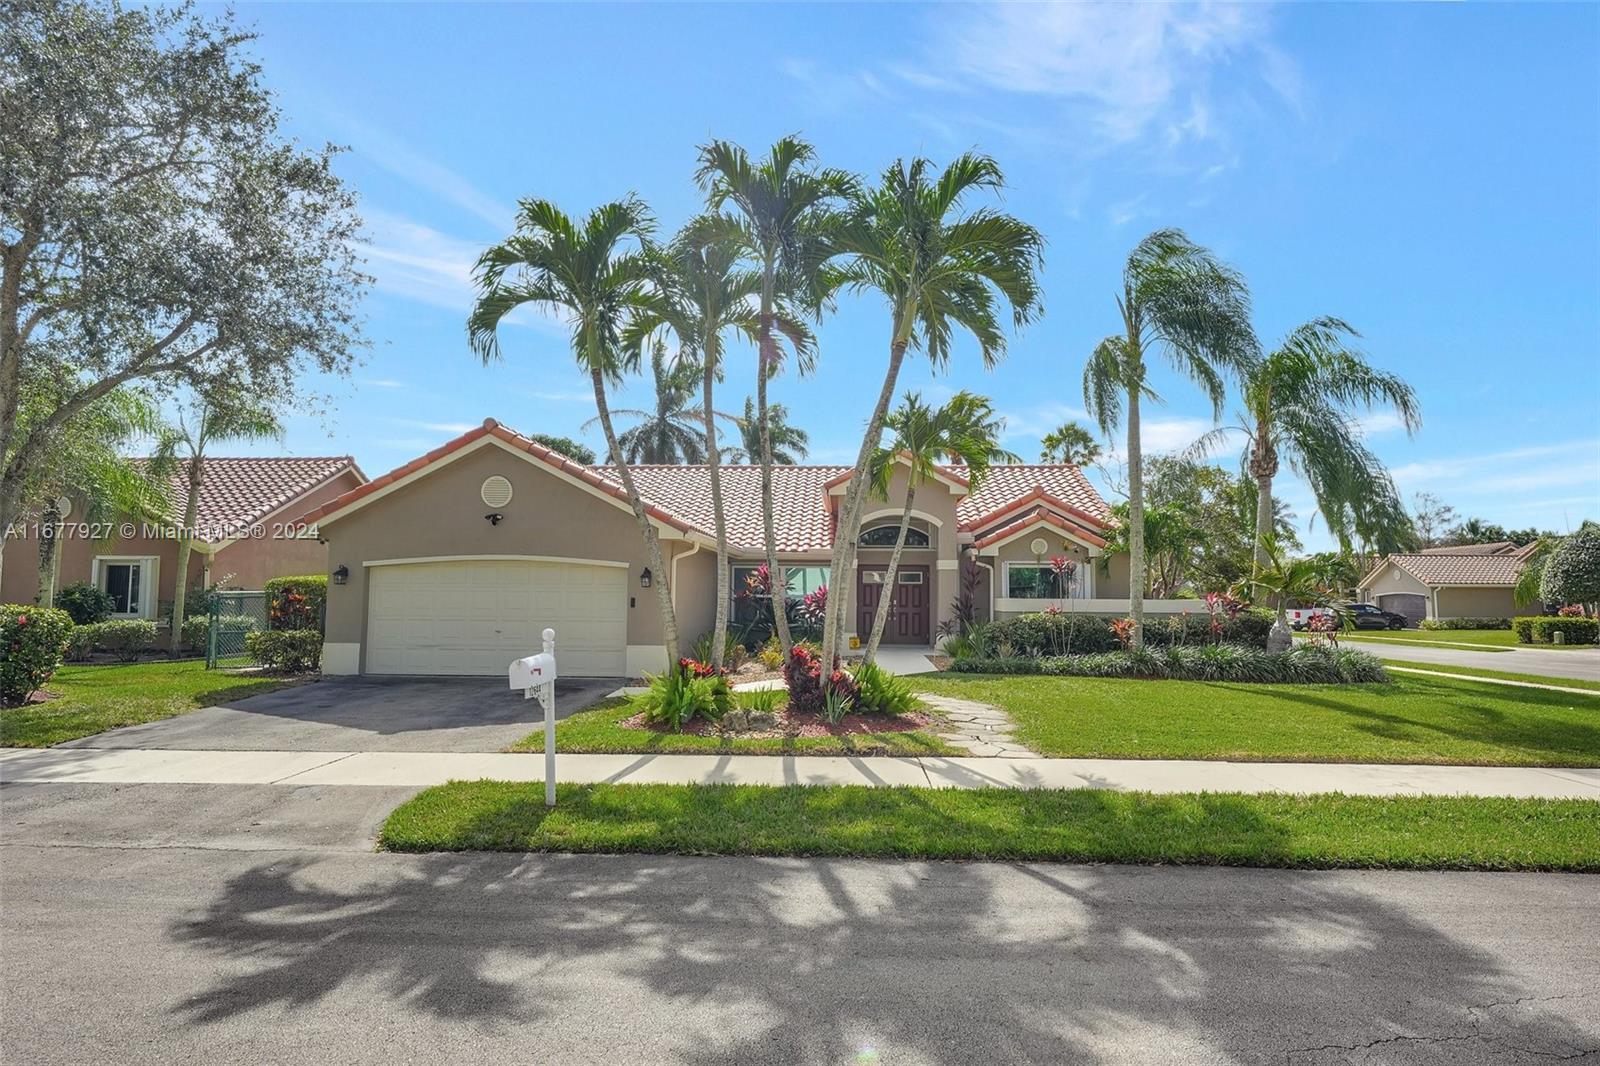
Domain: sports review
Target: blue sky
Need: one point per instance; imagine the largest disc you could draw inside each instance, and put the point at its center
(1430, 173)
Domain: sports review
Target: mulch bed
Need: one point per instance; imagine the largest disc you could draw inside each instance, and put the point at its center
(802, 725)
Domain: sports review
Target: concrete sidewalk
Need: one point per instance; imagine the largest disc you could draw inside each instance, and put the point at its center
(419, 769)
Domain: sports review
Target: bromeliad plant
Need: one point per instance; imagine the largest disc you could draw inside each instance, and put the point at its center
(809, 691)
(691, 689)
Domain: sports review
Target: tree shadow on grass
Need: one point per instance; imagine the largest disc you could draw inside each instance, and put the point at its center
(732, 961)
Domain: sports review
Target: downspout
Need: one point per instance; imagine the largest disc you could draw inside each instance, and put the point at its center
(978, 561)
(672, 580)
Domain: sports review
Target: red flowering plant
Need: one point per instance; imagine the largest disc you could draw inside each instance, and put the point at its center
(1571, 610)
(1324, 627)
(1220, 606)
(802, 673)
(812, 608)
(1063, 570)
(32, 641)
(695, 668)
(1122, 629)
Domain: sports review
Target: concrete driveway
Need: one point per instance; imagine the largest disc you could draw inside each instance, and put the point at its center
(363, 714)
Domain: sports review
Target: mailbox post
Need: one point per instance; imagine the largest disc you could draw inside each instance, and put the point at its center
(535, 675)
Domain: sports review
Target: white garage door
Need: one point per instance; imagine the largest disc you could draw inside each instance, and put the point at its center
(473, 617)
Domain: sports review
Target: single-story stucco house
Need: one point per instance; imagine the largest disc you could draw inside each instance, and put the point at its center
(1466, 581)
(454, 562)
(245, 535)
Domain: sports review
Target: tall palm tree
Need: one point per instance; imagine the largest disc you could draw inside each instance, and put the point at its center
(1180, 301)
(708, 294)
(1297, 408)
(940, 268)
(211, 421)
(964, 430)
(782, 210)
(597, 274)
(671, 432)
(789, 443)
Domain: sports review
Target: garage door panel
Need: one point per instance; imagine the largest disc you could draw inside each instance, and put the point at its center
(474, 617)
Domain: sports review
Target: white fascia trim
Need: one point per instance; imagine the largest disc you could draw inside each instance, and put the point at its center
(672, 532)
(494, 559)
(1095, 551)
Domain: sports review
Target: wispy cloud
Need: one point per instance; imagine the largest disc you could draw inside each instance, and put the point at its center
(1491, 475)
(396, 156)
(1031, 423)
(382, 383)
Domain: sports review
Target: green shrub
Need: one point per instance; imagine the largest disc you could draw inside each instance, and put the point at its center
(1303, 665)
(296, 602)
(762, 700)
(85, 603)
(880, 692)
(1065, 633)
(32, 640)
(686, 692)
(285, 651)
(197, 628)
(1437, 624)
(126, 638)
(81, 642)
(1542, 629)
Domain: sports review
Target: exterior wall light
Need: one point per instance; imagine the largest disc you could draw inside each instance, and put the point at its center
(341, 575)
(644, 578)
(494, 518)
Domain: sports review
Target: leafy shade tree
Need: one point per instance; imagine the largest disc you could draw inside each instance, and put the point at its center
(1069, 443)
(939, 267)
(596, 274)
(573, 450)
(965, 430)
(708, 295)
(1298, 402)
(671, 432)
(1572, 573)
(155, 226)
(1431, 519)
(782, 209)
(1180, 302)
(210, 421)
(789, 443)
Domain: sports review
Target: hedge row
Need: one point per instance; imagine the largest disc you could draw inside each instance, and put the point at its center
(1303, 665)
(126, 638)
(1542, 629)
(1067, 633)
(297, 602)
(1464, 623)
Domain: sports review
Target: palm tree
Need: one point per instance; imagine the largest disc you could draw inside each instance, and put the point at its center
(671, 433)
(783, 209)
(589, 273)
(1179, 300)
(1283, 579)
(708, 295)
(964, 430)
(211, 421)
(940, 268)
(1297, 402)
(1069, 443)
(790, 444)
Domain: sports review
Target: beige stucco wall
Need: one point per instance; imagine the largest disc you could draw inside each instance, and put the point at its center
(1392, 579)
(695, 591)
(1477, 603)
(442, 515)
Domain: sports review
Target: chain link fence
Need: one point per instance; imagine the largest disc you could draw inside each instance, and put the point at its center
(234, 616)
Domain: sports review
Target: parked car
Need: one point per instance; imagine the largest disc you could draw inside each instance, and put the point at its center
(1300, 617)
(1361, 615)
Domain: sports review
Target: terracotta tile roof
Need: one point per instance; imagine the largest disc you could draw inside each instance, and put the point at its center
(241, 491)
(1498, 547)
(680, 496)
(1460, 569)
(1035, 517)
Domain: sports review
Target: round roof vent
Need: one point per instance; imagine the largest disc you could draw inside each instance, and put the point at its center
(496, 491)
(1038, 546)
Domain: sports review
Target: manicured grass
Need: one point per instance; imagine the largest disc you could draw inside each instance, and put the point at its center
(92, 699)
(1504, 675)
(600, 730)
(1084, 825)
(1479, 639)
(1415, 719)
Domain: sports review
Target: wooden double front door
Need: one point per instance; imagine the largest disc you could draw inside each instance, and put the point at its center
(908, 611)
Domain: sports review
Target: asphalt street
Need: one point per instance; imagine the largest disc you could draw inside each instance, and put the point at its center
(209, 923)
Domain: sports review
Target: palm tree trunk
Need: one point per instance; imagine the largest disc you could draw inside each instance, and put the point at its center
(1135, 521)
(889, 586)
(719, 630)
(778, 580)
(1263, 464)
(49, 554)
(180, 589)
(844, 534)
(652, 544)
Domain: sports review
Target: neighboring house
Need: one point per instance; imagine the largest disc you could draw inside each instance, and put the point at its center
(1463, 581)
(245, 535)
(454, 562)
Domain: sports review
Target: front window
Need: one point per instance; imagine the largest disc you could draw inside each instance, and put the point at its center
(121, 582)
(1043, 581)
(885, 537)
(750, 581)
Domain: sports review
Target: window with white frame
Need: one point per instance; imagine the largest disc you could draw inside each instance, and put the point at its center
(1046, 580)
(130, 582)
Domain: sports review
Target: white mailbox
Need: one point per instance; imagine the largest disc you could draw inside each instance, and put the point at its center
(535, 675)
(532, 671)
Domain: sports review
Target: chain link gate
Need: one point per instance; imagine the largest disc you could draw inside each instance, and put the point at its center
(234, 616)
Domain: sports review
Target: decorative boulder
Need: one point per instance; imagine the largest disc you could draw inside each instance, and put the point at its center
(762, 720)
(735, 722)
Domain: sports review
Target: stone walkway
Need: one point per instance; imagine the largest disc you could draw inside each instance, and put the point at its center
(982, 729)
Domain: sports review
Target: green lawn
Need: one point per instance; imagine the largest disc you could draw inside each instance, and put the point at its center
(600, 730)
(1415, 719)
(1082, 825)
(1478, 639)
(92, 699)
(1504, 675)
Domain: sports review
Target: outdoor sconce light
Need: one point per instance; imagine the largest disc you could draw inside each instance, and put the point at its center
(494, 518)
(644, 578)
(341, 575)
